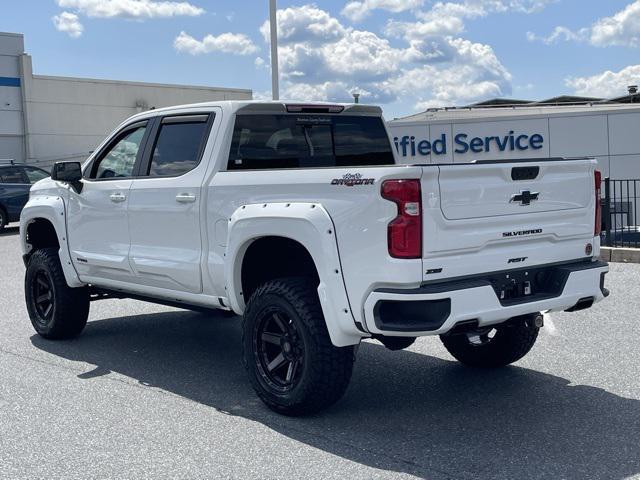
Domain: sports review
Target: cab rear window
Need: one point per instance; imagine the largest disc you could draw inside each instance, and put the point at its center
(308, 141)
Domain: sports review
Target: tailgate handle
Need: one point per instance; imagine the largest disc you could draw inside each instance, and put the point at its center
(524, 173)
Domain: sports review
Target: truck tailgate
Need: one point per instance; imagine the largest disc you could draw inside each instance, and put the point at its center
(488, 190)
(497, 216)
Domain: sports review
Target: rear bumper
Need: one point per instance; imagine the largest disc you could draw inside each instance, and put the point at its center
(436, 308)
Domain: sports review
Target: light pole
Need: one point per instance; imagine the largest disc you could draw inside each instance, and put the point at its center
(275, 88)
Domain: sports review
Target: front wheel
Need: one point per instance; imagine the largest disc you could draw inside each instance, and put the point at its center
(495, 346)
(56, 310)
(292, 364)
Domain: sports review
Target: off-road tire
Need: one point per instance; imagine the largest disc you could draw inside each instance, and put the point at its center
(512, 341)
(69, 307)
(324, 370)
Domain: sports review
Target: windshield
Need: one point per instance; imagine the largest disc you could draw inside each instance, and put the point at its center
(308, 141)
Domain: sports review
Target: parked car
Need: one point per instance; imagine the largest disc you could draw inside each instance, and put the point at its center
(15, 181)
(298, 218)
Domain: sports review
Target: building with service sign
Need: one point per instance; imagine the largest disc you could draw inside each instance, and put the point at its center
(45, 118)
(507, 129)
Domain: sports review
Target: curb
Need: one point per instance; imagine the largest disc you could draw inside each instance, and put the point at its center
(622, 255)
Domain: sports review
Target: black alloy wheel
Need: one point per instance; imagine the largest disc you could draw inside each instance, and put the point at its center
(278, 350)
(286, 349)
(43, 298)
(56, 310)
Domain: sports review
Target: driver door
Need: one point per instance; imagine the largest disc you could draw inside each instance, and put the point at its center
(97, 222)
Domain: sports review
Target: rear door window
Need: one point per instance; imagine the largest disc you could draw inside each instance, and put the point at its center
(308, 141)
(178, 146)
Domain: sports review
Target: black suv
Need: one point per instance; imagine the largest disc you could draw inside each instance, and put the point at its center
(15, 182)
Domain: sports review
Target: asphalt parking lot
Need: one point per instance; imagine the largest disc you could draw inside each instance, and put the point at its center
(151, 391)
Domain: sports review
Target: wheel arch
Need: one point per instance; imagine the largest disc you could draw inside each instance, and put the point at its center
(270, 257)
(304, 235)
(42, 225)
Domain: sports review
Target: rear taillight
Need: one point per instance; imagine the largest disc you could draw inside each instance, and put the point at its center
(404, 233)
(597, 176)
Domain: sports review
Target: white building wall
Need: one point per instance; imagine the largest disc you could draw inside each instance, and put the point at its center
(69, 117)
(11, 120)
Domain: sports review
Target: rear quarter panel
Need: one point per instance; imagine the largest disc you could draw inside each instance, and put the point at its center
(359, 213)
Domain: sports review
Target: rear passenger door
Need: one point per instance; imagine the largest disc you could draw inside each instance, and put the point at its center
(165, 201)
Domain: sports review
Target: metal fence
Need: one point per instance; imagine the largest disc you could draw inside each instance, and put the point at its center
(620, 213)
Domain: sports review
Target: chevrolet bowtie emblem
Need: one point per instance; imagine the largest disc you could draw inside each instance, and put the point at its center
(525, 197)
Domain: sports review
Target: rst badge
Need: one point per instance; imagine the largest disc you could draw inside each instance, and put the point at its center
(353, 179)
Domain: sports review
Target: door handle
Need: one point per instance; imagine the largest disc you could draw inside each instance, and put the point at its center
(185, 198)
(117, 197)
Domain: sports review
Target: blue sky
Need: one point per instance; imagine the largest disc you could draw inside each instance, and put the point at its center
(406, 55)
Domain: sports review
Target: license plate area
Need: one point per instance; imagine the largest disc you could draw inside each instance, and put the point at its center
(528, 284)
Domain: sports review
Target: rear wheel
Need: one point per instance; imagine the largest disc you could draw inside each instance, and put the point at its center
(494, 346)
(56, 310)
(292, 364)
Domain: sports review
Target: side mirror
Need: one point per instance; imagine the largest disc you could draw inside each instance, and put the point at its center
(68, 172)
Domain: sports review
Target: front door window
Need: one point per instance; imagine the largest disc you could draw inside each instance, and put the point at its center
(119, 160)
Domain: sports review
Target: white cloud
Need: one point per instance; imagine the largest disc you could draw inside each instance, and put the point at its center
(447, 18)
(322, 59)
(472, 73)
(357, 10)
(559, 33)
(137, 9)
(606, 84)
(621, 29)
(306, 24)
(69, 23)
(236, 43)
(436, 26)
(262, 95)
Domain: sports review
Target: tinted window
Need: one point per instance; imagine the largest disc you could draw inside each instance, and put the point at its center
(306, 141)
(35, 174)
(121, 157)
(12, 175)
(177, 149)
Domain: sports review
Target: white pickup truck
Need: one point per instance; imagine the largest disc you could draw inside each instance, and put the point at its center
(298, 218)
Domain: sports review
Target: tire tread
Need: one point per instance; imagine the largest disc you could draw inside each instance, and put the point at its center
(330, 368)
(511, 343)
(71, 304)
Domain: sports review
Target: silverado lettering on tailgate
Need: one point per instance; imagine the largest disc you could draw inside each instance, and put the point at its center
(522, 233)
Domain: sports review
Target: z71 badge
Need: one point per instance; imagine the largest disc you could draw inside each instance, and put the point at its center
(352, 179)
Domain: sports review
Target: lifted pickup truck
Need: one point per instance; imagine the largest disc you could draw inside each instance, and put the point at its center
(299, 218)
